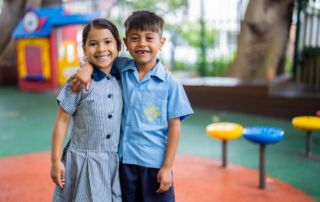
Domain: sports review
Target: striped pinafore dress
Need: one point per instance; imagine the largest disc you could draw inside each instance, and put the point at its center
(91, 160)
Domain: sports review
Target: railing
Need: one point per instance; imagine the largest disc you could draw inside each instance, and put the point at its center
(306, 66)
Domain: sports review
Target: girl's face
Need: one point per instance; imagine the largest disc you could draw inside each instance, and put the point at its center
(101, 48)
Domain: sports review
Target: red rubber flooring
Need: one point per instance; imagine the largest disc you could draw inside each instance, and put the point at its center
(26, 178)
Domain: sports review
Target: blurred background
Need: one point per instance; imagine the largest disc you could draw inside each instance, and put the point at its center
(253, 62)
(272, 45)
(251, 40)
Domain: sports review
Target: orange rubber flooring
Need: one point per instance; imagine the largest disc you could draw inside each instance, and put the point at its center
(26, 178)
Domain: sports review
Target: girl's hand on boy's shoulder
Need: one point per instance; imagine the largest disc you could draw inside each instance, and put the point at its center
(81, 78)
(164, 178)
(57, 173)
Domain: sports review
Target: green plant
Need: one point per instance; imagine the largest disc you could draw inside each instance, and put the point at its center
(218, 66)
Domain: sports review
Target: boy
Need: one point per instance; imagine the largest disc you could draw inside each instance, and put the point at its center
(154, 104)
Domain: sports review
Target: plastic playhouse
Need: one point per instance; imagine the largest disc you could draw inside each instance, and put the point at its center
(47, 47)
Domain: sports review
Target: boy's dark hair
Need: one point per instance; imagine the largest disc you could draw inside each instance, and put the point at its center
(101, 23)
(144, 21)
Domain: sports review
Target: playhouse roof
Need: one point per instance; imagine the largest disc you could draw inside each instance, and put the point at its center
(51, 17)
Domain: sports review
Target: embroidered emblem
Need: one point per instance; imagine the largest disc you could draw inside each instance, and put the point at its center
(152, 113)
(167, 70)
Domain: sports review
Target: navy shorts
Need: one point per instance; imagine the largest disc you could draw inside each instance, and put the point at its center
(139, 184)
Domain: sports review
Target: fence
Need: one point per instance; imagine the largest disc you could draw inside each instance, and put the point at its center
(306, 67)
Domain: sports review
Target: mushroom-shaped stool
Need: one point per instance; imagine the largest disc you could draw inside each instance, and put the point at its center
(263, 135)
(308, 124)
(224, 131)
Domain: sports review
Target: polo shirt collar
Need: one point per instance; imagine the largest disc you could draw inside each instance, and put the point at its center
(158, 71)
(98, 75)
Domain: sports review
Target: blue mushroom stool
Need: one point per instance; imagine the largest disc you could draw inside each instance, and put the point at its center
(263, 135)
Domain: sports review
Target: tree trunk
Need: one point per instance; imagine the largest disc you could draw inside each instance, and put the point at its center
(263, 39)
(12, 12)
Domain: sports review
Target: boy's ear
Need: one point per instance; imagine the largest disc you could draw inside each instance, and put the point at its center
(125, 41)
(162, 41)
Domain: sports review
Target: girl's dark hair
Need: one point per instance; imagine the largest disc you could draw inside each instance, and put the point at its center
(144, 21)
(101, 23)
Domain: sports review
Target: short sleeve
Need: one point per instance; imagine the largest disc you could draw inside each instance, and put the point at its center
(178, 102)
(68, 100)
(121, 62)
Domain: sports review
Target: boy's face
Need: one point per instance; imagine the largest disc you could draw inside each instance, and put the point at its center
(144, 46)
(101, 48)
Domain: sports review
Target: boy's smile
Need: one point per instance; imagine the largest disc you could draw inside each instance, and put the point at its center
(142, 51)
(144, 46)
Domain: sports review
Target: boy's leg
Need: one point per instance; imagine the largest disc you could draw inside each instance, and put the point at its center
(130, 183)
(149, 186)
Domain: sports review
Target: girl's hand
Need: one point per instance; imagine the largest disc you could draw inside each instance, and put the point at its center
(57, 173)
(164, 178)
(81, 78)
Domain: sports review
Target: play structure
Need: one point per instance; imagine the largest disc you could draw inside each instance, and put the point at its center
(47, 47)
(308, 124)
(224, 131)
(262, 135)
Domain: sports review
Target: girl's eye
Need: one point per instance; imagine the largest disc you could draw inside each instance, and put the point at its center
(108, 41)
(92, 44)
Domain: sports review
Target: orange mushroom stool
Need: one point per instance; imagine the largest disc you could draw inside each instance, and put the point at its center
(308, 124)
(224, 131)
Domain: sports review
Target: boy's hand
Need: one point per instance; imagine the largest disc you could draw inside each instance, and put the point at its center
(164, 178)
(81, 78)
(57, 173)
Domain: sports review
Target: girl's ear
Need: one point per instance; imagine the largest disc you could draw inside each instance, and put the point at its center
(84, 50)
(85, 59)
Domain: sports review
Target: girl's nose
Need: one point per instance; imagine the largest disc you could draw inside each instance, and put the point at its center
(102, 48)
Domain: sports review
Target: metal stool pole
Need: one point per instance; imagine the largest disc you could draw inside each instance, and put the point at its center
(224, 153)
(308, 143)
(262, 173)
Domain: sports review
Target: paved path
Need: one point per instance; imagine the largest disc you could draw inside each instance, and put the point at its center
(26, 178)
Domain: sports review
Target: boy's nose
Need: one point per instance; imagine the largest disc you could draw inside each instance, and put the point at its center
(142, 43)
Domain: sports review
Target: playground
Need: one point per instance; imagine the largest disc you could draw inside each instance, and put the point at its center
(247, 86)
(26, 122)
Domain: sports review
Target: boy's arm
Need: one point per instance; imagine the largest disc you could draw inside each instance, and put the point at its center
(164, 176)
(81, 78)
(58, 136)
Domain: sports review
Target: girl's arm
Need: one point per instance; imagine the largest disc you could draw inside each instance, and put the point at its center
(58, 136)
(164, 176)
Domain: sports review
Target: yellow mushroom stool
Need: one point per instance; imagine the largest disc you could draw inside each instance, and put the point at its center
(308, 124)
(224, 131)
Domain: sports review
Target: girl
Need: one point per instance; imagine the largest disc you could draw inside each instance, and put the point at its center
(88, 169)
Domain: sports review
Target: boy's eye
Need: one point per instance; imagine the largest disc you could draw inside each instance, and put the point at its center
(149, 38)
(134, 38)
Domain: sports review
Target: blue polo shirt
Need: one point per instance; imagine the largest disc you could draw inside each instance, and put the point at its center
(148, 106)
